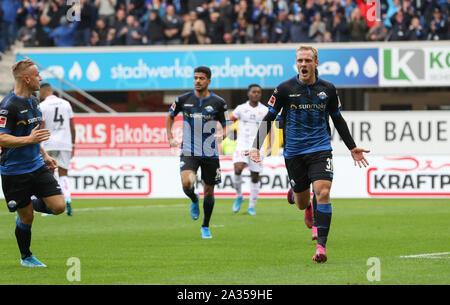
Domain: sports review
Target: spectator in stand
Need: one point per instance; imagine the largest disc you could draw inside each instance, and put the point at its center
(136, 8)
(227, 14)
(317, 29)
(242, 32)
(63, 34)
(106, 11)
(257, 12)
(399, 26)
(327, 37)
(11, 8)
(32, 8)
(358, 26)
(194, 4)
(280, 29)
(241, 10)
(27, 34)
(172, 26)
(228, 38)
(94, 41)
(378, 32)
(82, 34)
(438, 27)
(427, 9)
(262, 30)
(299, 29)
(117, 26)
(154, 29)
(339, 30)
(101, 31)
(415, 31)
(132, 32)
(56, 11)
(215, 29)
(194, 30)
(42, 32)
(349, 7)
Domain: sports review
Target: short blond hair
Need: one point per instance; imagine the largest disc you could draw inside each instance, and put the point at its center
(309, 48)
(20, 67)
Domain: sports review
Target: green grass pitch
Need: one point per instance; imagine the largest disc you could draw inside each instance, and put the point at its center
(154, 241)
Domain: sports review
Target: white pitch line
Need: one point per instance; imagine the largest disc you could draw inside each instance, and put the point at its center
(118, 207)
(426, 255)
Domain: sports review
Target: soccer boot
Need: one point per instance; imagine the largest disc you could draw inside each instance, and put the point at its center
(32, 262)
(320, 256)
(237, 204)
(251, 211)
(290, 196)
(195, 209)
(69, 211)
(206, 233)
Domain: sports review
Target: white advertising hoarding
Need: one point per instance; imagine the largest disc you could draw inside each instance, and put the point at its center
(158, 177)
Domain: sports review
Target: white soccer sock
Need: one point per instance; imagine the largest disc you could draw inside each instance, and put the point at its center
(254, 190)
(237, 183)
(64, 182)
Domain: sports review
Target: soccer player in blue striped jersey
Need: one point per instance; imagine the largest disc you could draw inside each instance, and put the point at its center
(201, 110)
(307, 103)
(25, 167)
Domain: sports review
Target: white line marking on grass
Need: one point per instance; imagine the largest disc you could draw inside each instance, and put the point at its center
(118, 207)
(428, 255)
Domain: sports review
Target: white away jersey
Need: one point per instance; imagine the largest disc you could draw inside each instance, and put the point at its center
(57, 114)
(249, 119)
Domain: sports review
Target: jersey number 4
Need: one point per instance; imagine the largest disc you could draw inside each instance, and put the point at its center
(58, 118)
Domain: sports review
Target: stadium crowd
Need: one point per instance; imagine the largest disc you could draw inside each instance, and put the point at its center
(163, 22)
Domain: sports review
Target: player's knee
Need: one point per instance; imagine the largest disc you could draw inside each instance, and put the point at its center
(323, 195)
(59, 209)
(27, 218)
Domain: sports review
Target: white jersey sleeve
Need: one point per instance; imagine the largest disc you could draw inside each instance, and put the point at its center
(57, 113)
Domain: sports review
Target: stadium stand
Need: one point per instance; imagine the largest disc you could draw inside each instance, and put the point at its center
(34, 23)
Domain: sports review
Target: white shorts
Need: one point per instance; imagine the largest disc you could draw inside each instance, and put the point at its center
(238, 156)
(62, 157)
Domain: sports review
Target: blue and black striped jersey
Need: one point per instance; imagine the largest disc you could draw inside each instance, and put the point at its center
(200, 117)
(305, 112)
(18, 117)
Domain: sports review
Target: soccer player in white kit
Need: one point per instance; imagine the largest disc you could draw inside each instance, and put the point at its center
(250, 115)
(57, 116)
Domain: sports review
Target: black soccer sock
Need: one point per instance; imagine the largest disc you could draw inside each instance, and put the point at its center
(23, 236)
(191, 194)
(40, 206)
(208, 205)
(323, 223)
(314, 204)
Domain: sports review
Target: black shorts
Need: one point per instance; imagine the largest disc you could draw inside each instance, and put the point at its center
(307, 168)
(40, 183)
(210, 168)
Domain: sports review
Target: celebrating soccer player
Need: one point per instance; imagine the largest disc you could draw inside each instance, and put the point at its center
(25, 166)
(201, 110)
(307, 103)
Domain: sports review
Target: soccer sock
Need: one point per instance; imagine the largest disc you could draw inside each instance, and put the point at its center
(237, 183)
(323, 213)
(64, 182)
(208, 205)
(314, 204)
(191, 194)
(40, 206)
(254, 190)
(23, 236)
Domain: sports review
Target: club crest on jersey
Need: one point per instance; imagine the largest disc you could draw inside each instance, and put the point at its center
(272, 101)
(209, 108)
(322, 95)
(3, 120)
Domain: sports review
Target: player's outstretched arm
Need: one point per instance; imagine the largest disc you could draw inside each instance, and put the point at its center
(358, 156)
